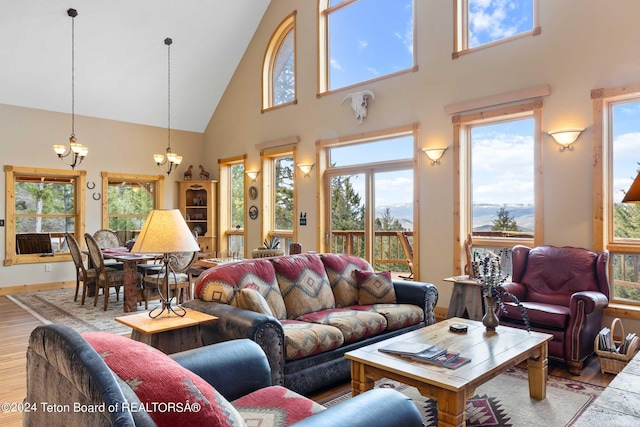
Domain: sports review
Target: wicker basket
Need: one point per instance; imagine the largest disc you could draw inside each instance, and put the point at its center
(613, 362)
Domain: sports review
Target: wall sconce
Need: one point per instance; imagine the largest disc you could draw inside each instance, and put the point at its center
(435, 154)
(566, 137)
(253, 175)
(306, 169)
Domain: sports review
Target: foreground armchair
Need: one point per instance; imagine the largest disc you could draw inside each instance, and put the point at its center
(564, 291)
(91, 378)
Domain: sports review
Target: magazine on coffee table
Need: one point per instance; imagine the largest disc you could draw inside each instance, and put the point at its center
(406, 348)
(448, 359)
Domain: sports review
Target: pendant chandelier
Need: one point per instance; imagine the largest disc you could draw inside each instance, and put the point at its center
(75, 149)
(169, 157)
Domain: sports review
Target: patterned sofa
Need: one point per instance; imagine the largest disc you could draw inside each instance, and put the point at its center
(307, 310)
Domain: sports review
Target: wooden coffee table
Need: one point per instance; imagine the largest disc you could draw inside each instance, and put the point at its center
(491, 353)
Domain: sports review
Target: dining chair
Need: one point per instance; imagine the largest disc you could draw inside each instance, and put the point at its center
(84, 274)
(107, 238)
(179, 280)
(408, 252)
(106, 278)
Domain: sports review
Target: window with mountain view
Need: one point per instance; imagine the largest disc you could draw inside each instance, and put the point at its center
(502, 189)
(363, 40)
(278, 70)
(371, 183)
(482, 23)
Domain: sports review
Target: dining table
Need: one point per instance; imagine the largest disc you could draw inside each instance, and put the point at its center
(130, 261)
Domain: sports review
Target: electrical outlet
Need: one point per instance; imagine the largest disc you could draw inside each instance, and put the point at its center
(47, 268)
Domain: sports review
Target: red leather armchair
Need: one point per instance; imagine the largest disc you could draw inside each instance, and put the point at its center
(564, 291)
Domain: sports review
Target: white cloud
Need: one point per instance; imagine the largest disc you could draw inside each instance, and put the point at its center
(335, 65)
(362, 44)
(373, 71)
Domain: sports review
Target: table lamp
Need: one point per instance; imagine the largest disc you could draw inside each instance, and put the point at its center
(166, 232)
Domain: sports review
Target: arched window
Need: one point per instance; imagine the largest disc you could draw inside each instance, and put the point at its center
(279, 67)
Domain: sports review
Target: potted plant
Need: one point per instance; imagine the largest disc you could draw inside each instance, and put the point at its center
(488, 273)
(269, 249)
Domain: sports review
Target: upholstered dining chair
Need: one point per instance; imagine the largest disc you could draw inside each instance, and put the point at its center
(83, 274)
(109, 239)
(179, 280)
(106, 277)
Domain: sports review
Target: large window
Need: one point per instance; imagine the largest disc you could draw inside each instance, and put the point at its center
(500, 182)
(127, 201)
(279, 66)
(369, 191)
(483, 23)
(232, 204)
(363, 40)
(42, 205)
(279, 207)
(617, 225)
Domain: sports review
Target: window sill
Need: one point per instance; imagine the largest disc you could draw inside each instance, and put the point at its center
(625, 311)
(36, 259)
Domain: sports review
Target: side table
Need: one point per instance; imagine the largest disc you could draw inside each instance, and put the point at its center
(466, 298)
(168, 333)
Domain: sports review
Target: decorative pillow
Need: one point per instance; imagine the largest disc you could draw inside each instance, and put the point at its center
(341, 273)
(303, 283)
(223, 284)
(276, 406)
(251, 299)
(375, 288)
(161, 384)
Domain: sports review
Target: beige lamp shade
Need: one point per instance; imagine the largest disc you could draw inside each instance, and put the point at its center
(633, 195)
(165, 231)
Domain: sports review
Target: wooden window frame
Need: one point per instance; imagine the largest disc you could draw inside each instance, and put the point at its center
(462, 177)
(79, 178)
(224, 202)
(603, 236)
(461, 29)
(271, 54)
(268, 158)
(107, 177)
(324, 10)
(326, 172)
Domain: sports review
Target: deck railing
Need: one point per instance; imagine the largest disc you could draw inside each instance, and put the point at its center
(387, 247)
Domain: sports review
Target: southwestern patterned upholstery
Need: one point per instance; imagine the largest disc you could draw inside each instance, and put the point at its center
(564, 291)
(310, 328)
(375, 288)
(131, 384)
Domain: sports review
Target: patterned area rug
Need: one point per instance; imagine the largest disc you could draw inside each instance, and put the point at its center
(504, 401)
(58, 306)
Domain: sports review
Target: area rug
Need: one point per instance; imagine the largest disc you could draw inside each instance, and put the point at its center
(58, 306)
(504, 401)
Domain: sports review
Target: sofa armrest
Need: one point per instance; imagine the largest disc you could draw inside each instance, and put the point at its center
(422, 294)
(377, 407)
(235, 368)
(593, 301)
(235, 323)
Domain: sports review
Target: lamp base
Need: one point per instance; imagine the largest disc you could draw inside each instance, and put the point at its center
(166, 298)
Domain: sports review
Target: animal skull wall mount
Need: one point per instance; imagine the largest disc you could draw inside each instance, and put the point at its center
(359, 101)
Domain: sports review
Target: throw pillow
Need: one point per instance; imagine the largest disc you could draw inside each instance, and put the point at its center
(341, 273)
(303, 283)
(375, 288)
(251, 299)
(171, 394)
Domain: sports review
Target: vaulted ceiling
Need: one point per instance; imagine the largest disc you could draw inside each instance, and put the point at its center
(121, 59)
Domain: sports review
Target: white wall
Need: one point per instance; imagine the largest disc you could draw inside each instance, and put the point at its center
(584, 45)
(26, 137)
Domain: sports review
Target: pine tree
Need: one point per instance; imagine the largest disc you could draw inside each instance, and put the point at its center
(504, 221)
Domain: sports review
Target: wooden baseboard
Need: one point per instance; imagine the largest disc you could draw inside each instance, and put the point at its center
(8, 290)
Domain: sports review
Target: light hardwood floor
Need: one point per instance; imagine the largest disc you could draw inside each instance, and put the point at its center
(16, 326)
